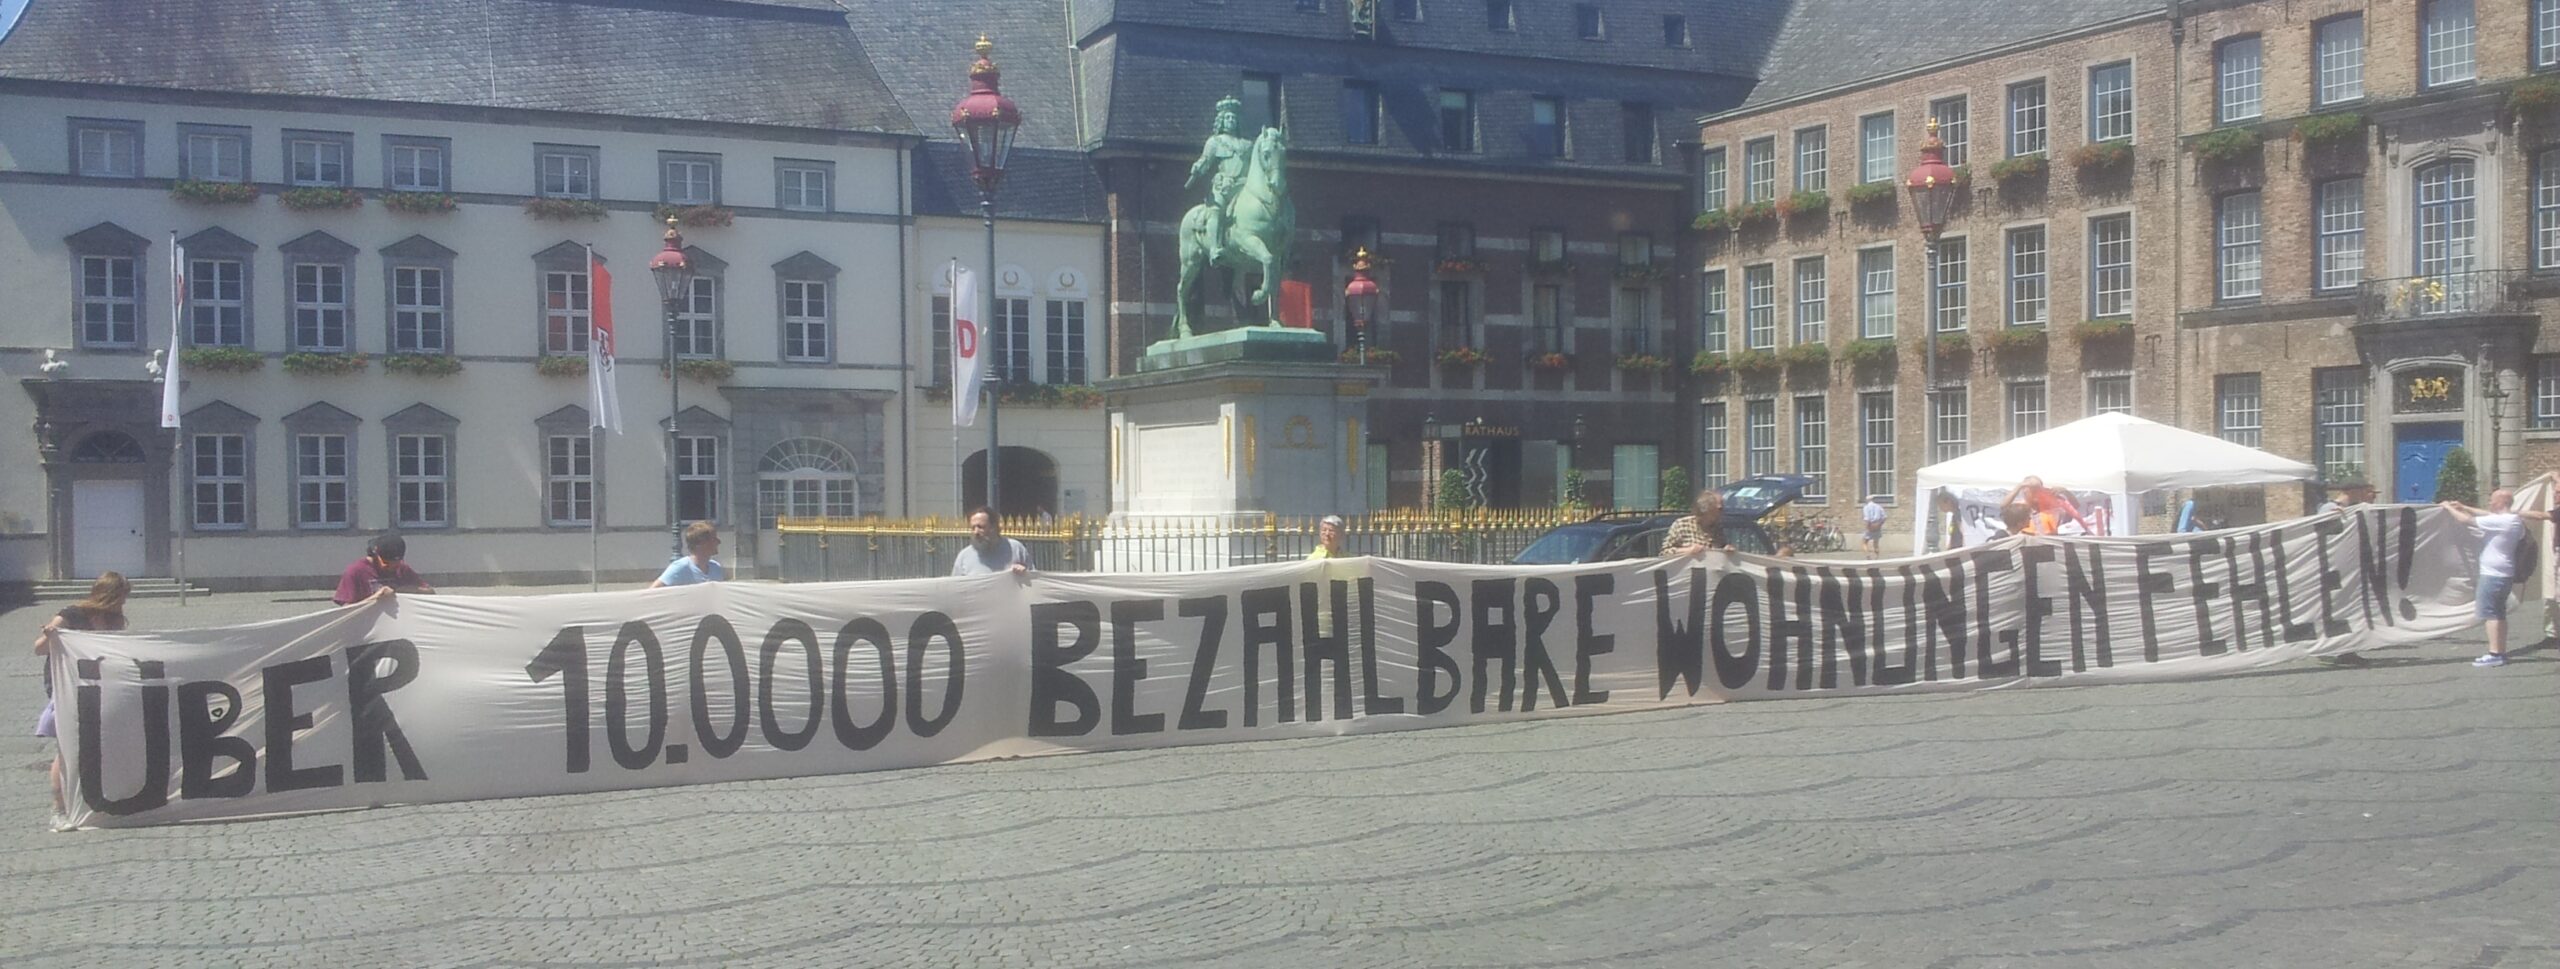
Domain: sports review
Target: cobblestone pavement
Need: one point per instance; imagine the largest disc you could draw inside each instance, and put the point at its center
(2407, 813)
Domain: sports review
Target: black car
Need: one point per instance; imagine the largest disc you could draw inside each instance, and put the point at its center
(1612, 536)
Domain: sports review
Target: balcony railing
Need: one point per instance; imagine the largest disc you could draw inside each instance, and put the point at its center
(2475, 293)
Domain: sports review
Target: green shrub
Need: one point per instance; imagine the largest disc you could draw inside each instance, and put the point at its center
(1453, 491)
(2459, 480)
(2228, 145)
(2335, 127)
(2017, 169)
(1675, 487)
(324, 364)
(221, 360)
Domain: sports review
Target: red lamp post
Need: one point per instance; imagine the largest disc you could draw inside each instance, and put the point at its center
(986, 120)
(1360, 301)
(674, 274)
(1934, 193)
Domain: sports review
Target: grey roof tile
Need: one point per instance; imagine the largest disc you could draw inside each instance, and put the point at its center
(1829, 43)
(924, 54)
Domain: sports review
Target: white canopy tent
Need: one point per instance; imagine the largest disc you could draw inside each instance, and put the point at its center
(2119, 454)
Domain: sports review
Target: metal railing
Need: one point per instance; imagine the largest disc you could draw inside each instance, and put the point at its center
(2479, 292)
(835, 549)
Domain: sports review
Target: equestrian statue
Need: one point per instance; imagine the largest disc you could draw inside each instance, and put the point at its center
(1247, 224)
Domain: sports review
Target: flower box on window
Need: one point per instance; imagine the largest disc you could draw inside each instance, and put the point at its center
(1460, 267)
(2333, 128)
(1807, 355)
(2103, 157)
(213, 193)
(418, 203)
(324, 364)
(1759, 361)
(1378, 356)
(2014, 339)
(1868, 352)
(320, 199)
(2092, 331)
(221, 360)
(697, 216)
(1716, 220)
(1709, 363)
(1870, 193)
(705, 371)
(1954, 345)
(561, 365)
(1810, 202)
(1640, 273)
(1755, 215)
(2533, 96)
(1551, 362)
(1642, 363)
(2227, 145)
(564, 210)
(2022, 168)
(421, 364)
(1464, 357)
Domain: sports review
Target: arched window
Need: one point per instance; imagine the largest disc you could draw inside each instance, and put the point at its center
(806, 477)
(107, 447)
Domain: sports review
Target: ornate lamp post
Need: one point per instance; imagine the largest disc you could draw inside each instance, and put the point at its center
(1934, 194)
(674, 274)
(1360, 301)
(986, 120)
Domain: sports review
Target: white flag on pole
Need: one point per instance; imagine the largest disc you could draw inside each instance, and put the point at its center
(968, 359)
(177, 322)
(602, 397)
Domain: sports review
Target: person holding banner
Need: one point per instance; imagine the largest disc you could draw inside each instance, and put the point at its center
(2501, 528)
(380, 573)
(2050, 507)
(701, 542)
(2350, 494)
(989, 551)
(102, 610)
(1328, 539)
(1702, 529)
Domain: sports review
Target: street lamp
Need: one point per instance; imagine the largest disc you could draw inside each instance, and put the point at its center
(1360, 301)
(986, 120)
(1934, 194)
(674, 274)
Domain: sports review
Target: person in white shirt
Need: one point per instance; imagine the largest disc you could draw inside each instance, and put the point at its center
(989, 551)
(2501, 529)
(1873, 516)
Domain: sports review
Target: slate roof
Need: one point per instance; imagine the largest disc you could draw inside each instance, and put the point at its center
(1726, 36)
(1052, 184)
(790, 63)
(1825, 44)
(922, 52)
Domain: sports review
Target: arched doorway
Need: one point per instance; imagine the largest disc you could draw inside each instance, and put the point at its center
(1030, 483)
(805, 477)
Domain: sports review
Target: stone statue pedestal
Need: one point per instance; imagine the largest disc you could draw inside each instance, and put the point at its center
(1238, 423)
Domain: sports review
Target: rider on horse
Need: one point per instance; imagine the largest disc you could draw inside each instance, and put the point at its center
(1230, 154)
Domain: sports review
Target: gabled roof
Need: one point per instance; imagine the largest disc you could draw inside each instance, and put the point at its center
(923, 54)
(791, 63)
(1825, 44)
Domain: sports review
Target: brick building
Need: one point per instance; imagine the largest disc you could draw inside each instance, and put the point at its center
(2317, 228)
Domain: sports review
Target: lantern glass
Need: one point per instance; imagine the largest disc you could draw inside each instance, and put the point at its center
(674, 274)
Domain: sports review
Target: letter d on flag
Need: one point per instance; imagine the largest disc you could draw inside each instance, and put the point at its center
(968, 359)
(602, 396)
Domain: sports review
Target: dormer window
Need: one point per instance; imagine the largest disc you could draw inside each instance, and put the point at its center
(1588, 23)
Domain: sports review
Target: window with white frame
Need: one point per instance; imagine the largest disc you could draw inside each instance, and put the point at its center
(1360, 109)
(419, 299)
(1262, 108)
(1546, 318)
(569, 479)
(422, 473)
(320, 498)
(1715, 446)
(320, 307)
(1950, 424)
(1760, 307)
(415, 164)
(565, 172)
(1637, 137)
(1952, 115)
(213, 155)
(2448, 218)
(2236, 408)
(1064, 339)
(2111, 102)
(1875, 148)
(2337, 46)
(2446, 33)
(2546, 33)
(1409, 11)
(1813, 300)
(2546, 392)
(698, 318)
(1546, 127)
(2026, 408)
(805, 186)
(1457, 121)
(1499, 16)
(1760, 170)
(1711, 180)
(1635, 249)
(1636, 473)
(1875, 442)
(1875, 293)
(2238, 69)
(938, 319)
(2027, 289)
(2111, 266)
(1713, 323)
(698, 478)
(1813, 159)
(2026, 118)
(217, 303)
(2236, 246)
(1009, 356)
(220, 484)
(2338, 246)
(108, 302)
(1947, 306)
(1759, 437)
(688, 179)
(1813, 445)
(318, 160)
(2546, 209)
(806, 331)
(2110, 394)
(806, 478)
(2337, 414)
(106, 149)
(565, 321)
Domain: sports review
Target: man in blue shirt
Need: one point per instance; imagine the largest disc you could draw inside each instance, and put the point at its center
(701, 542)
(988, 550)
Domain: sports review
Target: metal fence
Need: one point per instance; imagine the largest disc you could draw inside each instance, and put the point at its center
(2485, 291)
(834, 549)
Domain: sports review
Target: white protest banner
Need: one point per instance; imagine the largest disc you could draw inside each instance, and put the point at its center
(430, 698)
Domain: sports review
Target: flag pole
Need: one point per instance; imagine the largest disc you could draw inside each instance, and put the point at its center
(170, 389)
(595, 526)
(951, 337)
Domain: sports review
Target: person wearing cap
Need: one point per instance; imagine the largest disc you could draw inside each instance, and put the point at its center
(2350, 494)
(1328, 539)
(381, 573)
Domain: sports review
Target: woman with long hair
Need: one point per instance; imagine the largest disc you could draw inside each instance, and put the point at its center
(102, 610)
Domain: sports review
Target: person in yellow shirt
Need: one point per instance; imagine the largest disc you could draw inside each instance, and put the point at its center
(1328, 539)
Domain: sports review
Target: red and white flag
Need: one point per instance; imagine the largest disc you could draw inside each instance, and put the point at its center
(968, 354)
(177, 335)
(604, 404)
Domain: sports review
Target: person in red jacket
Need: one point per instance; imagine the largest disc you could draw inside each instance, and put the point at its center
(379, 573)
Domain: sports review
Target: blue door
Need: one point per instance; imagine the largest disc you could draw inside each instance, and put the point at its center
(2421, 455)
